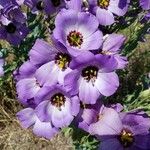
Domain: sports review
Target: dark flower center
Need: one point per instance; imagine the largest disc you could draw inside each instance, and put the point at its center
(90, 73)
(126, 138)
(56, 3)
(10, 28)
(75, 39)
(40, 5)
(58, 100)
(62, 60)
(103, 3)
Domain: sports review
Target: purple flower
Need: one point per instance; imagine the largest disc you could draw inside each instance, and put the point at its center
(13, 32)
(78, 31)
(105, 9)
(54, 62)
(52, 72)
(28, 118)
(129, 131)
(1, 67)
(48, 65)
(92, 76)
(57, 106)
(145, 4)
(13, 28)
(112, 47)
(48, 6)
(43, 52)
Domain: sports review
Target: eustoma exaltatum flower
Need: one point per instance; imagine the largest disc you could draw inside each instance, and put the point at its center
(48, 65)
(57, 106)
(55, 61)
(13, 32)
(13, 27)
(93, 75)
(129, 131)
(105, 10)
(27, 82)
(78, 31)
(28, 118)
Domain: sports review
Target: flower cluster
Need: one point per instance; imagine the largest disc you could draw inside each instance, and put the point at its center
(65, 80)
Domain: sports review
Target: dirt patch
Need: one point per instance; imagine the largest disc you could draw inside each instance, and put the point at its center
(13, 137)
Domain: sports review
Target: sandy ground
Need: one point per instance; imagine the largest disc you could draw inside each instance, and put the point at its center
(13, 137)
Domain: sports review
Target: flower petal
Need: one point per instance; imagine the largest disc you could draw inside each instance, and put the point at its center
(104, 16)
(107, 83)
(26, 117)
(88, 94)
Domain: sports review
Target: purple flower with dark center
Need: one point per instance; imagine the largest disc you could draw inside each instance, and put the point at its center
(54, 62)
(1, 67)
(13, 32)
(130, 131)
(28, 118)
(48, 6)
(105, 9)
(112, 47)
(145, 4)
(78, 31)
(47, 66)
(93, 75)
(54, 72)
(31, 79)
(43, 52)
(57, 106)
